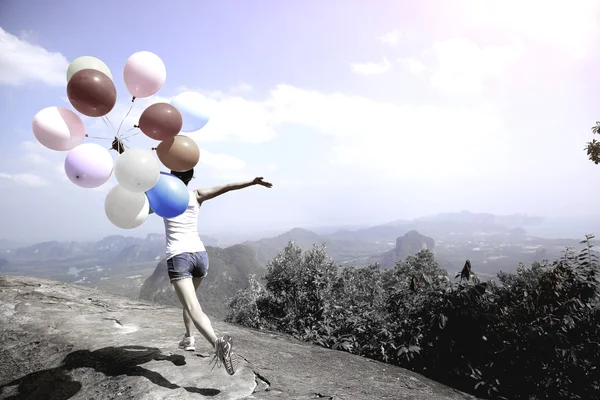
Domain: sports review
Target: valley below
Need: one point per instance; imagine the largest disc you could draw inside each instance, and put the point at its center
(122, 265)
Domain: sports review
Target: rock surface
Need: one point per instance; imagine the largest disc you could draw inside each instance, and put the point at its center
(61, 341)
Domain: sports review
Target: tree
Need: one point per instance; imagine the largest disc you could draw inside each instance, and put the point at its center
(593, 147)
(299, 286)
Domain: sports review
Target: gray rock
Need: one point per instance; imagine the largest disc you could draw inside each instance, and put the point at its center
(61, 341)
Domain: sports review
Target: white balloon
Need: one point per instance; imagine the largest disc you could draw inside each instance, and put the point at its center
(125, 209)
(137, 170)
(87, 62)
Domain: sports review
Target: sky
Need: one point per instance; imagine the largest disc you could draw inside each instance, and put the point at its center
(358, 112)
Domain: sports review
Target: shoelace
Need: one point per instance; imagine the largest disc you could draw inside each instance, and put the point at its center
(216, 360)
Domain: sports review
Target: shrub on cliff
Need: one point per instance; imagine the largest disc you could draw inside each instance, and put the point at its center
(531, 335)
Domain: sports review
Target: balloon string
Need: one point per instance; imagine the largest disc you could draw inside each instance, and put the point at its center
(105, 118)
(126, 115)
(132, 135)
(105, 123)
(96, 137)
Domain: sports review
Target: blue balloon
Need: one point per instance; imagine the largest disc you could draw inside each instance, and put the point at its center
(194, 110)
(169, 198)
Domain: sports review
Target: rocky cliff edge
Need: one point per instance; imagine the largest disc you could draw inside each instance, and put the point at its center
(61, 341)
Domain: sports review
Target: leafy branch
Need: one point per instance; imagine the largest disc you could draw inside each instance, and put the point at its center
(593, 147)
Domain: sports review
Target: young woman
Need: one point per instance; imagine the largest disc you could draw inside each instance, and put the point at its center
(187, 262)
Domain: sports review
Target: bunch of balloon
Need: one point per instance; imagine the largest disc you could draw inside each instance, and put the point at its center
(141, 187)
(167, 196)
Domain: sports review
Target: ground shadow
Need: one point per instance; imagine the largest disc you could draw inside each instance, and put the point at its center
(57, 384)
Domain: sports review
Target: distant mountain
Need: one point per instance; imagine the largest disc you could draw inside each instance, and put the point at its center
(486, 219)
(408, 245)
(228, 272)
(115, 249)
(6, 244)
(442, 225)
(342, 250)
(376, 234)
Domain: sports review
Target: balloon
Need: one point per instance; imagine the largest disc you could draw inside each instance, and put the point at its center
(160, 121)
(87, 62)
(194, 110)
(89, 165)
(144, 74)
(58, 128)
(137, 170)
(169, 198)
(125, 209)
(179, 153)
(92, 92)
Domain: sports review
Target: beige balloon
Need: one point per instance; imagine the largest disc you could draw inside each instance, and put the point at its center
(179, 153)
(87, 62)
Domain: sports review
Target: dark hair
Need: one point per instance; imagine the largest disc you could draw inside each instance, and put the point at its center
(185, 176)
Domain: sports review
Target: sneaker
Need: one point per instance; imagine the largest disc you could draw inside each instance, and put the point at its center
(223, 348)
(187, 343)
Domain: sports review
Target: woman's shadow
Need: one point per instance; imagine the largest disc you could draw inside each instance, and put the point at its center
(57, 384)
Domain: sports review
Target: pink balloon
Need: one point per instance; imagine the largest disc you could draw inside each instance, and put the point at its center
(144, 74)
(89, 165)
(58, 128)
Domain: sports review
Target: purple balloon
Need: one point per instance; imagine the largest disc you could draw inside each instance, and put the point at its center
(89, 165)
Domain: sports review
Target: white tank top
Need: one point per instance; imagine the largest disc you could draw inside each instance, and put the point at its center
(182, 231)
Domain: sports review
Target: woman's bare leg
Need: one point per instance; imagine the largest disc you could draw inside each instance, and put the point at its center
(187, 320)
(184, 288)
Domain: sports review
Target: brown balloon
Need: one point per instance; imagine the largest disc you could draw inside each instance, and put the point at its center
(179, 153)
(161, 121)
(92, 92)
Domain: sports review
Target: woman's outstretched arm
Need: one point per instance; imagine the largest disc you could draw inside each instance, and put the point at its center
(210, 193)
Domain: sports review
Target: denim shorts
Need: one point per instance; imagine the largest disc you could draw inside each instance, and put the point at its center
(188, 265)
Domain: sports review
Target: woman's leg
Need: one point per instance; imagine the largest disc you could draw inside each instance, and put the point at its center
(187, 296)
(187, 320)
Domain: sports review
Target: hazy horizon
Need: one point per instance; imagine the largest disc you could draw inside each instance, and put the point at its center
(368, 114)
(549, 228)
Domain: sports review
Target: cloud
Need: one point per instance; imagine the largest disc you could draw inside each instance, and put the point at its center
(508, 43)
(460, 65)
(368, 135)
(299, 183)
(22, 179)
(391, 38)
(371, 68)
(413, 65)
(221, 162)
(236, 119)
(241, 88)
(389, 138)
(22, 62)
(569, 27)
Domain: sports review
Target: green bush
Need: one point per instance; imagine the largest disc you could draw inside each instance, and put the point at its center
(531, 335)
